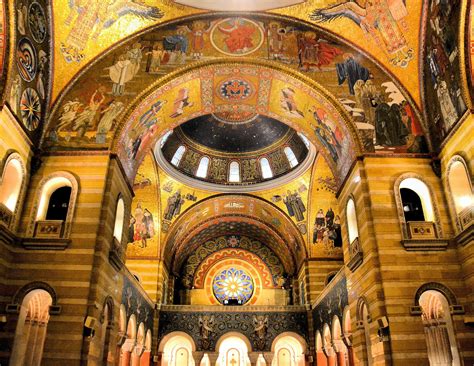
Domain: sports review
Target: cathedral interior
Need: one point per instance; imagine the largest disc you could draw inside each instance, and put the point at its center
(237, 183)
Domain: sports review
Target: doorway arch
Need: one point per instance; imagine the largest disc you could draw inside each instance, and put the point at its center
(289, 350)
(233, 349)
(31, 329)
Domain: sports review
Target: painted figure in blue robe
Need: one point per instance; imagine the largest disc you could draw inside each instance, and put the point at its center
(351, 71)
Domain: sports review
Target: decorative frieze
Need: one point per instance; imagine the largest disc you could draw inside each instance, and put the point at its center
(421, 230)
(49, 229)
(260, 327)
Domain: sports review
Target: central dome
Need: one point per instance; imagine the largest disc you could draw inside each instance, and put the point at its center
(230, 149)
(227, 136)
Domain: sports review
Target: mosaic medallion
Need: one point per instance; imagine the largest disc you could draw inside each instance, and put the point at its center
(233, 284)
(30, 109)
(235, 90)
(237, 36)
(37, 22)
(26, 59)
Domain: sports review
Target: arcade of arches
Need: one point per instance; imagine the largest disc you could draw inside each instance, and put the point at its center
(196, 183)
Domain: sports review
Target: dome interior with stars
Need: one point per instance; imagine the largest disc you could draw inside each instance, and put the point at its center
(234, 149)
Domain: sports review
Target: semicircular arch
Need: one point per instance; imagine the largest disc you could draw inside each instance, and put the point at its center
(264, 221)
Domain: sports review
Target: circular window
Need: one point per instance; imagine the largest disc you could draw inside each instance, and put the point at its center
(232, 286)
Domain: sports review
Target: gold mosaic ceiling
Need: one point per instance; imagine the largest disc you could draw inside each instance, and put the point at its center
(393, 45)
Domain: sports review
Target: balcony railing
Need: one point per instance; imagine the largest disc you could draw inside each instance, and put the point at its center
(49, 229)
(466, 217)
(6, 215)
(116, 254)
(355, 253)
(423, 236)
(421, 230)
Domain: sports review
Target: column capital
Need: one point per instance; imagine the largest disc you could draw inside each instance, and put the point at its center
(253, 356)
(198, 357)
(268, 356)
(213, 357)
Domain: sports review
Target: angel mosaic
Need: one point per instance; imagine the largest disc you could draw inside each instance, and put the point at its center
(381, 20)
(260, 323)
(288, 103)
(88, 18)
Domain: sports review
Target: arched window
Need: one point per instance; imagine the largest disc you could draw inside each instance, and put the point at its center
(234, 172)
(178, 155)
(165, 138)
(31, 330)
(439, 332)
(56, 199)
(290, 155)
(58, 204)
(305, 139)
(11, 183)
(48, 209)
(412, 207)
(460, 186)
(329, 278)
(352, 228)
(416, 200)
(202, 168)
(266, 169)
(119, 218)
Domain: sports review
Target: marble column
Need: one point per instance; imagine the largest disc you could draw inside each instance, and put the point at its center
(350, 352)
(321, 359)
(145, 359)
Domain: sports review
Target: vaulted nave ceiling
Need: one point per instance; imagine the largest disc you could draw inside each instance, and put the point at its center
(395, 45)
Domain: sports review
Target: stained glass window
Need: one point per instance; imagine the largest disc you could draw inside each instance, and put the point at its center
(232, 285)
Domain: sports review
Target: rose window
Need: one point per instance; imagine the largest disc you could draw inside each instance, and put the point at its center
(232, 286)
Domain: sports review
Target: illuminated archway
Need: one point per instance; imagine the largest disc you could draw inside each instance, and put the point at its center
(233, 350)
(289, 350)
(31, 329)
(238, 214)
(177, 349)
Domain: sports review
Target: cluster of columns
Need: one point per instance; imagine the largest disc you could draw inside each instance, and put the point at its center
(133, 354)
(437, 341)
(337, 353)
(34, 333)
